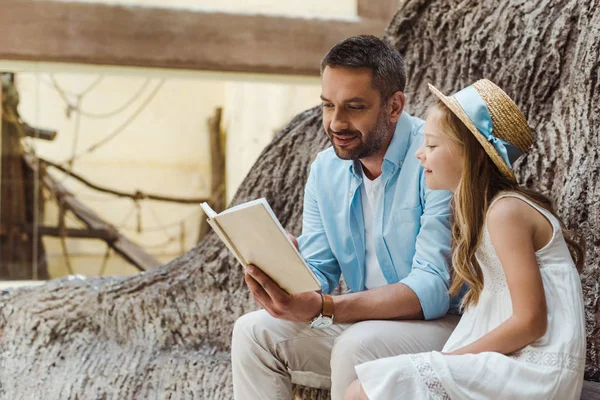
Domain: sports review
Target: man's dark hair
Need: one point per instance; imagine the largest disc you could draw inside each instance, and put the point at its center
(367, 51)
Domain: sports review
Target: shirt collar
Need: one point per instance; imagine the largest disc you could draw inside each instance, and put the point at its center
(398, 147)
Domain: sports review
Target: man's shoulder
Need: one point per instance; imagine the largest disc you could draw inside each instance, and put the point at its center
(413, 128)
(416, 121)
(416, 131)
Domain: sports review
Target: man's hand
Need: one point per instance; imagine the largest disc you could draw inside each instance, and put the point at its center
(293, 239)
(302, 307)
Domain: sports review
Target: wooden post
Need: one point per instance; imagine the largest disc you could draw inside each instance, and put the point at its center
(217, 155)
(22, 255)
(1, 114)
(217, 181)
(16, 249)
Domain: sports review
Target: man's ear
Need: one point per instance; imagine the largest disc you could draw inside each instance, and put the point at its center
(395, 105)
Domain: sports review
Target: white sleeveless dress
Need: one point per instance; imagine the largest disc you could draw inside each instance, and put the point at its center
(549, 368)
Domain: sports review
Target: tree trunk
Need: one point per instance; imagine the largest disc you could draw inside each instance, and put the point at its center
(166, 333)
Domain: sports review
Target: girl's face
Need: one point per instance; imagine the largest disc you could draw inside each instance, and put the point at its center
(440, 155)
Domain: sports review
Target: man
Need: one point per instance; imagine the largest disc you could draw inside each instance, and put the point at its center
(369, 216)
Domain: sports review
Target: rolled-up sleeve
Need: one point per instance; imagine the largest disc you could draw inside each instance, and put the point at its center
(313, 242)
(430, 276)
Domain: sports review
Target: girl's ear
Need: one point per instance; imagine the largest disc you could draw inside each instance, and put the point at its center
(395, 105)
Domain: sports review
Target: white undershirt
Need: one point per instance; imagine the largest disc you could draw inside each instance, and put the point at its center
(370, 192)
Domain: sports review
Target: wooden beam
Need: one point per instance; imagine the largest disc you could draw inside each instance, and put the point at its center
(123, 246)
(38, 133)
(106, 34)
(107, 235)
(383, 10)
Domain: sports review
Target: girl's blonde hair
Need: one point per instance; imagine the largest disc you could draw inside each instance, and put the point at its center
(480, 182)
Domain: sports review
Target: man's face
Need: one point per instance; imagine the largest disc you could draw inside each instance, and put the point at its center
(354, 117)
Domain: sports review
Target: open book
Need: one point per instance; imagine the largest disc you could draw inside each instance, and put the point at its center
(255, 236)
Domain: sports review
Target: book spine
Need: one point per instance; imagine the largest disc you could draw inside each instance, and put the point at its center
(223, 236)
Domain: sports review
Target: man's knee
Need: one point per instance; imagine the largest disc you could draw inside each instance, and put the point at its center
(353, 347)
(247, 331)
(370, 340)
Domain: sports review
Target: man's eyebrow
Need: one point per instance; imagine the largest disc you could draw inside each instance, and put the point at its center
(355, 100)
(352, 100)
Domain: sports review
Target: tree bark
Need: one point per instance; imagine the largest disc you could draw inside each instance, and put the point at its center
(165, 333)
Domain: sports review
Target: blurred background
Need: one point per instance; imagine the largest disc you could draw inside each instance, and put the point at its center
(119, 117)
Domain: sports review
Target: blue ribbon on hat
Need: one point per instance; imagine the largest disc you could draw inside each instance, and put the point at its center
(474, 106)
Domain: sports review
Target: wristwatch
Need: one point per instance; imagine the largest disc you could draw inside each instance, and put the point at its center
(325, 318)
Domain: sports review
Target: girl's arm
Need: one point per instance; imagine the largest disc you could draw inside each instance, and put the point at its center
(512, 224)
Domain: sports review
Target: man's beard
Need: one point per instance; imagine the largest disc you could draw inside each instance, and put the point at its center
(370, 143)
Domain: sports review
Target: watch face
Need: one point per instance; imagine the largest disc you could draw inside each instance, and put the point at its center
(321, 322)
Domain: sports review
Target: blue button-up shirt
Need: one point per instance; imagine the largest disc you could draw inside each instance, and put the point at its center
(411, 228)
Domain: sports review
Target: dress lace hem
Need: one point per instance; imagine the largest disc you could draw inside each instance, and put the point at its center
(548, 359)
(430, 378)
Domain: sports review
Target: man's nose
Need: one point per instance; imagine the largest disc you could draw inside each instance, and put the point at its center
(339, 122)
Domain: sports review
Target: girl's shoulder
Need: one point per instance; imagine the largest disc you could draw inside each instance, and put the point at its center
(509, 203)
(508, 208)
(511, 214)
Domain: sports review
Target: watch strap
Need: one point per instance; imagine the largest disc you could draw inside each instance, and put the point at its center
(327, 305)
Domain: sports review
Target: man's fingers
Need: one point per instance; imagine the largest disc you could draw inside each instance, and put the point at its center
(261, 305)
(273, 290)
(259, 294)
(293, 239)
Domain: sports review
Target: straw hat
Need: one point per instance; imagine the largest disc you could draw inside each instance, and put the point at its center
(508, 122)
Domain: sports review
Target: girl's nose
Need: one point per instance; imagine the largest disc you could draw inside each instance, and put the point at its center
(419, 153)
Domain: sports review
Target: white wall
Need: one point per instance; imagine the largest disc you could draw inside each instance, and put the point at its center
(255, 112)
(164, 151)
(306, 8)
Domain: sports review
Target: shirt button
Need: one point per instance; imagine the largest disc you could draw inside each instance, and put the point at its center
(349, 194)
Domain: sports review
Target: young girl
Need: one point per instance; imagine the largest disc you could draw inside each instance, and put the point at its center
(522, 334)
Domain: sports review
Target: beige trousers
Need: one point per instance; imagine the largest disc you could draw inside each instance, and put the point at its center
(269, 354)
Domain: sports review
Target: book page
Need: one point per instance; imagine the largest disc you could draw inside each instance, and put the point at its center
(210, 213)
